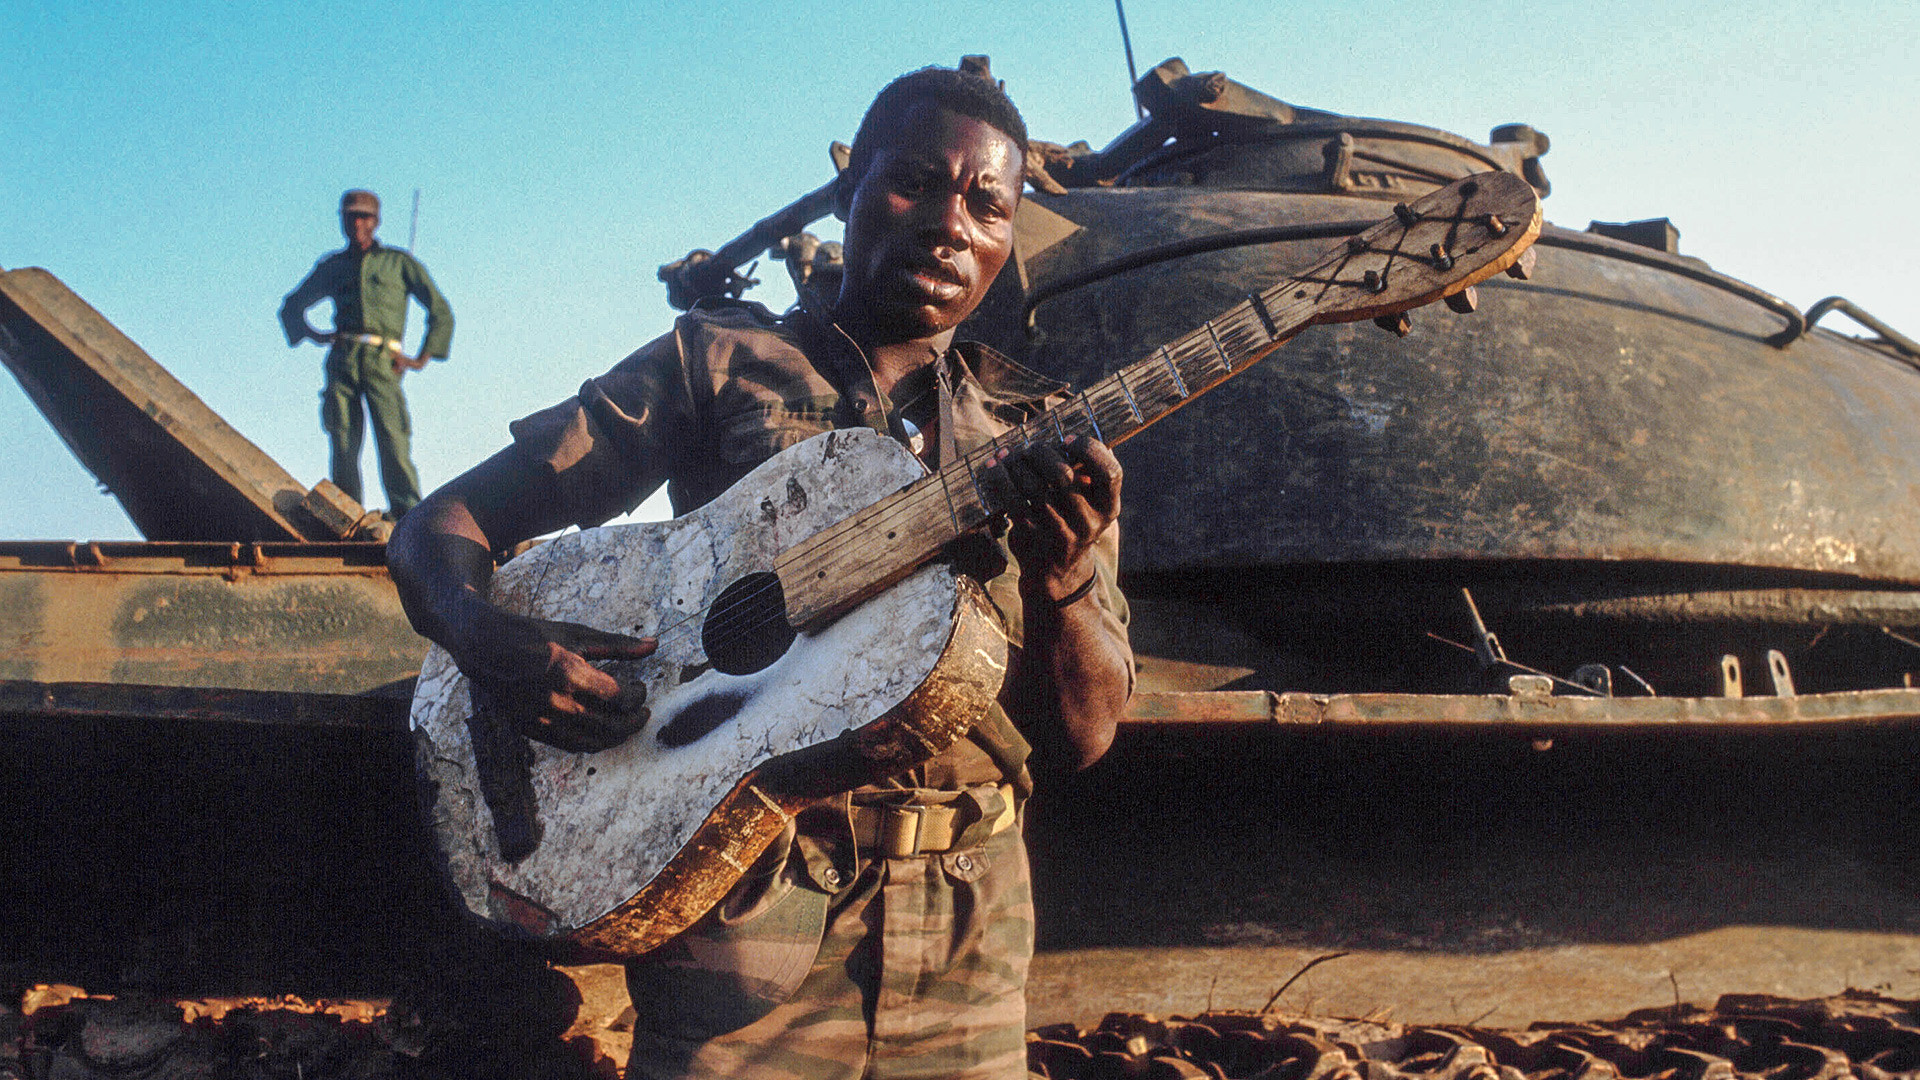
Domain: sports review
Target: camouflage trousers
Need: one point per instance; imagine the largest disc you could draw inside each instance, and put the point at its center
(920, 971)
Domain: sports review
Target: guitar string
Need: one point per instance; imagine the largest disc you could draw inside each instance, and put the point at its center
(1236, 343)
(1239, 332)
(807, 556)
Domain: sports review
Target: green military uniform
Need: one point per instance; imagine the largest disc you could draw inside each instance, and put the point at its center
(835, 957)
(369, 291)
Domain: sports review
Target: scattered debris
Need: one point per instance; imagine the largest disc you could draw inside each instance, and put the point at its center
(1743, 1037)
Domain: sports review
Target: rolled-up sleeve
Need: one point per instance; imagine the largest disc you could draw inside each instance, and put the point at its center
(617, 440)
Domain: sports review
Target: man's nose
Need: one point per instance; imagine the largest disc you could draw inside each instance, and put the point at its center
(948, 222)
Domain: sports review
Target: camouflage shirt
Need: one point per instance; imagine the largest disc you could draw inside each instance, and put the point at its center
(824, 962)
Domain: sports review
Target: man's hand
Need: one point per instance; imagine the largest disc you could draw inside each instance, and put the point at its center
(403, 364)
(1070, 678)
(1060, 500)
(536, 675)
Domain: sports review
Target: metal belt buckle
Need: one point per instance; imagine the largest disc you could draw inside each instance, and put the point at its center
(900, 831)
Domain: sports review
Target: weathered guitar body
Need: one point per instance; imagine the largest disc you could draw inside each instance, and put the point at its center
(808, 642)
(640, 840)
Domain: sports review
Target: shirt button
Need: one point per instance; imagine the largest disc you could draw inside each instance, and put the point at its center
(963, 863)
(831, 877)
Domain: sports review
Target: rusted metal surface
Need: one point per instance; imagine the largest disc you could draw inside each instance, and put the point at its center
(1602, 410)
(1609, 244)
(181, 472)
(1208, 129)
(288, 617)
(29, 700)
(1523, 713)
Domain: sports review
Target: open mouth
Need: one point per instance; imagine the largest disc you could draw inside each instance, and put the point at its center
(932, 285)
(932, 275)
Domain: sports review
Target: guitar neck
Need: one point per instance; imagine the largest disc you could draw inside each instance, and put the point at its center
(1142, 393)
(1145, 392)
(1439, 246)
(922, 519)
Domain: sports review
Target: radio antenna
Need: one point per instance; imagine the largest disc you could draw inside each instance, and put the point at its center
(1133, 76)
(413, 223)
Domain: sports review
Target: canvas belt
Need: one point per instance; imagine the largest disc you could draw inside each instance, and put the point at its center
(931, 823)
(372, 339)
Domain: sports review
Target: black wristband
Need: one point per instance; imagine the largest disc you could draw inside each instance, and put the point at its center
(1077, 594)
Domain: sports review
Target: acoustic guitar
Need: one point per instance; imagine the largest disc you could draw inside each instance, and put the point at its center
(810, 638)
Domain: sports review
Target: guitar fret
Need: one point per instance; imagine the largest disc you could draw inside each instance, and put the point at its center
(953, 511)
(1266, 319)
(1120, 377)
(1179, 383)
(1218, 349)
(1087, 404)
(979, 493)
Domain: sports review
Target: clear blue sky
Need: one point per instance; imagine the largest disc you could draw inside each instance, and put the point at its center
(178, 165)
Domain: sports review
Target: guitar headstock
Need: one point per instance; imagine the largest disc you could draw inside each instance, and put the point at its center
(1436, 247)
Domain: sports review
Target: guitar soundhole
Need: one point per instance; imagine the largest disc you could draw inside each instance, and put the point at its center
(746, 628)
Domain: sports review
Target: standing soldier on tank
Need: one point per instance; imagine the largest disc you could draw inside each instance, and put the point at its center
(369, 283)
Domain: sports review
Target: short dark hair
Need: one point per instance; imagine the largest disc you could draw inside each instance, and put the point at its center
(962, 91)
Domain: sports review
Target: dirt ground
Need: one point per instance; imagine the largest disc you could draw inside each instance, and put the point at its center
(1468, 879)
(1476, 879)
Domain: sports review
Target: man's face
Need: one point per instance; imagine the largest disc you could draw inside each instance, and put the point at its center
(358, 229)
(929, 224)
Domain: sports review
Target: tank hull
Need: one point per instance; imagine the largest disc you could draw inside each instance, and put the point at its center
(1601, 410)
(1611, 453)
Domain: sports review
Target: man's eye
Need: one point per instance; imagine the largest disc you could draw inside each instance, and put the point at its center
(989, 209)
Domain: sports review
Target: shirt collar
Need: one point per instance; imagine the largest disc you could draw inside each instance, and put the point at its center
(1000, 380)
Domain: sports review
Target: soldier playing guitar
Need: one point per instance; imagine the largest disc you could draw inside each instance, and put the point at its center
(888, 932)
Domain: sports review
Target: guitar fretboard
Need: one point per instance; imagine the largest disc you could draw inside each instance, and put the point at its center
(912, 526)
(1140, 394)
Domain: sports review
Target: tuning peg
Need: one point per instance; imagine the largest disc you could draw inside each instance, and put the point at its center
(1408, 215)
(1522, 267)
(1441, 260)
(1399, 323)
(1494, 225)
(1464, 302)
